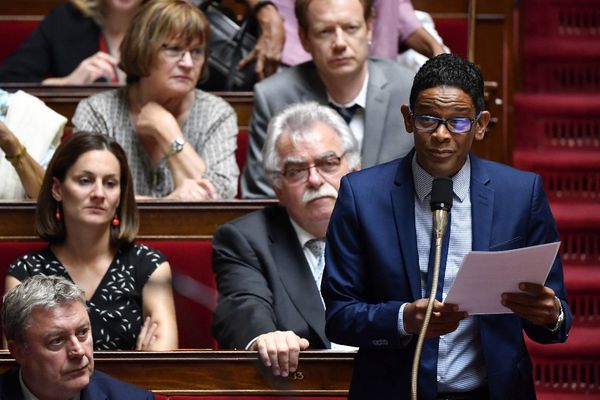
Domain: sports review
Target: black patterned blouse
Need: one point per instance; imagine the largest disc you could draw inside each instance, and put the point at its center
(115, 309)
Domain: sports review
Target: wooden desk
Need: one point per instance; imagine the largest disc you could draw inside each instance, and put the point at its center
(158, 219)
(208, 372)
(64, 99)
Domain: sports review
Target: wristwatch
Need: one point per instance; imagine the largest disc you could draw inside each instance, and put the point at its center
(176, 147)
(561, 317)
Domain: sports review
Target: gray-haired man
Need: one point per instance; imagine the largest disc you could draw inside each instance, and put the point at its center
(268, 264)
(48, 332)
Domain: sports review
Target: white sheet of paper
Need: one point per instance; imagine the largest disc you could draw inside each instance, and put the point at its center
(484, 275)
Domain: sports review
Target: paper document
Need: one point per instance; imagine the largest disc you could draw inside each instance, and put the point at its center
(485, 275)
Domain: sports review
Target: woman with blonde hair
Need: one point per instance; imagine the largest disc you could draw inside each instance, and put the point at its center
(180, 141)
(76, 44)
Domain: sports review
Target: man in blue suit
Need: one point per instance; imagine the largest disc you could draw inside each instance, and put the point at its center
(48, 332)
(377, 259)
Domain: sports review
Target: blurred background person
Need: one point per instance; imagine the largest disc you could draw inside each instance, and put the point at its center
(366, 91)
(76, 44)
(394, 23)
(87, 212)
(30, 131)
(179, 140)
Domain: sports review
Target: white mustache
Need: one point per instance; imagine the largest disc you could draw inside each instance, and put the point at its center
(325, 190)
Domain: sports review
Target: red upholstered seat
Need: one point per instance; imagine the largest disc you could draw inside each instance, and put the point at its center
(194, 288)
(454, 32)
(13, 32)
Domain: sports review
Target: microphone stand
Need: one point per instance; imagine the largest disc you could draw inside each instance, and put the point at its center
(440, 220)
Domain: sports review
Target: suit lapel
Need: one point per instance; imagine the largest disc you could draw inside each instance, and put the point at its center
(11, 387)
(311, 88)
(93, 391)
(296, 275)
(403, 205)
(375, 114)
(482, 205)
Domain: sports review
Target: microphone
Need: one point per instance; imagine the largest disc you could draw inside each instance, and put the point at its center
(441, 203)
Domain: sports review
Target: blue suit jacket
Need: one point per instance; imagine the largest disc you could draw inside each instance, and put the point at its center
(372, 269)
(101, 387)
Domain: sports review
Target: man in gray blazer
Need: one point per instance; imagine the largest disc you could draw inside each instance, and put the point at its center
(337, 35)
(269, 263)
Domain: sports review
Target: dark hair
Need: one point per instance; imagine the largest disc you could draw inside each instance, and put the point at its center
(156, 22)
(450, 70)
(301, 10)
(66, 155)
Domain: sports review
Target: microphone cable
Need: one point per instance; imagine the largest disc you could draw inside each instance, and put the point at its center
(441, 202)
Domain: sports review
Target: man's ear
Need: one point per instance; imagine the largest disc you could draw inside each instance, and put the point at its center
(408, 122)
(481, 125)
(56, 189)
(370, 30)
(16, 350)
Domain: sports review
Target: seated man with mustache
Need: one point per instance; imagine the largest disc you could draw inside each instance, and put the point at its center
(269, 264)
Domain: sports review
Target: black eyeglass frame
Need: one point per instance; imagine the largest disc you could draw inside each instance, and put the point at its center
(439, 121)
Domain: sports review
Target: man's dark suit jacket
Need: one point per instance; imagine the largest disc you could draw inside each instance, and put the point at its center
(385, 137)
(264, 282)
(372, 268)
(101, 387)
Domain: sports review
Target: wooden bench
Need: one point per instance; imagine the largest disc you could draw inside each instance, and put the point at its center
(223, 374)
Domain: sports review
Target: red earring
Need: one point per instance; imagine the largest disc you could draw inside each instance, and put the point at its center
(115, 221)
(57, 214)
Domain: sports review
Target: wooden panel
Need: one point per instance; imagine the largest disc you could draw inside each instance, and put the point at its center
(320, 373)
(64, 99)
(158, 219)
(28, 7)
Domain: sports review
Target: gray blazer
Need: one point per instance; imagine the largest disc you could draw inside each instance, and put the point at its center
(264, 282)
(385, 137)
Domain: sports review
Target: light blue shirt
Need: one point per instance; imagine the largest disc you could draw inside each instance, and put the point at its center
(460, 364)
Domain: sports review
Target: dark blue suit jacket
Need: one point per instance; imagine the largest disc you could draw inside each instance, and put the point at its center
(101, 387)
(372, 269)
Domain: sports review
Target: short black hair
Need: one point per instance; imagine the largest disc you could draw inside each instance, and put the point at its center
(449, 70)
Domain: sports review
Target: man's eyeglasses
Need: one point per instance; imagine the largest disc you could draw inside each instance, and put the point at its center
(177, 53)
(429, 124)
(296, 173)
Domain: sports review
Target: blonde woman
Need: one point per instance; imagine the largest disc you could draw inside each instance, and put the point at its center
(180, 141)
(76, 44)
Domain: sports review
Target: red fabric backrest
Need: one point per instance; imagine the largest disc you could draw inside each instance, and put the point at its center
(455, 33)
(194, 289)
(13, 32)
(10, 251)
(193, 282)
(240, 155)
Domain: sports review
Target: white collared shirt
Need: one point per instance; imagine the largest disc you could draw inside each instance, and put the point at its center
(312, 261)
(460, 365)
(357, 123)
